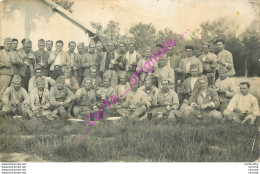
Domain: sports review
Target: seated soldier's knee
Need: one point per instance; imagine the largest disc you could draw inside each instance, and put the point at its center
(226, 113)
(216, 115)
(76, 111)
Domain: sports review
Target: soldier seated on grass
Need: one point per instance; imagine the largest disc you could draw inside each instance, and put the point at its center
(165, 102)
(202, 103)
(16, 100)
(243, 107)
(61, 99)
(135, 105)
(85, 100)
(40, 100)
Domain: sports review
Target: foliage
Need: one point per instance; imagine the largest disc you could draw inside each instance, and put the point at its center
(66, 4)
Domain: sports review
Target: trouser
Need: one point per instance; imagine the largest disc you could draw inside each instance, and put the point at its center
(26, 78)
(211, 78)
(63, 111)
(239, 117)
(17, 110)
(223, 106)
(56, 72)
(82, 112)
(161, 111)
(189, 113)
(135, 113)
(4, 83)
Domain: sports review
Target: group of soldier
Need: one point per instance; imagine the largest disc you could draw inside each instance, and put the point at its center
(57, 84)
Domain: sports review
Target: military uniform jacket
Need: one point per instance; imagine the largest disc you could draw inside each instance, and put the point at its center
(35, 99)
(226, 57)
(60, 95)
(5, 59)
(85, 98)
(168, 98)
(64, 59)
(23, 56)
(135, 98)
(42, 58)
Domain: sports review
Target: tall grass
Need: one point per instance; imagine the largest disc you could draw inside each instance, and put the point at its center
(124, 141)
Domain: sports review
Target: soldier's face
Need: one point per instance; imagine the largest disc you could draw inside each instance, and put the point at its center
(244, 89)
(17, 85)
(67, 74)
(38, 73)
(122, 47)
(60, 85)
(41, 46)
(99, 47)
(88, 85)
(220, 46)
(122, 80)
(222, 75)
(135, 86)
(92, 48)
(162, 62)
(111, 47)
(80, 49)
(28, 47)
(131, 48)
(203, 84)
(148, 85)
(49, 45)
(72, 47)
(194, 72)
(14, 45)
(59, 46)
(165, 84)
(40, 86)
(189, 52)
(93, 73)
(107, 82)
(7, 45)
(205, 48)
(147, 53)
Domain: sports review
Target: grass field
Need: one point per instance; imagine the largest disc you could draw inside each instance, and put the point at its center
(147, 141)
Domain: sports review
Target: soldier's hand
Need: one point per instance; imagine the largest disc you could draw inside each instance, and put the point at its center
(237, 110)
(196, 106)
(204, 106)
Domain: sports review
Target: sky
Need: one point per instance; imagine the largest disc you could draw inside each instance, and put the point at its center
(177, 15)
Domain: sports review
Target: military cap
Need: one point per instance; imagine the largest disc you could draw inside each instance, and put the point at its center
(106, 77)
(222, 69)
(194, 66)
(205, 78)
(122, 74)
(17, 78)
(40, 80)
(81, 44)
(91, 42)
(149, 79)
(37, 67)
(8, 39)
(205, 43)
(159, 45)
(60, 79)
(27, 41)
(87, 78)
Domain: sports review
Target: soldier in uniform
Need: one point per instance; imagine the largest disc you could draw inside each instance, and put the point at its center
(209, 64)
(49, 45)
(105, 93)
(189, 85)
(121, 88)
(132, 58)
(38, 73)
(135, 105)
(80, 54)
(40, 100)
(42, 57)
(243, 107)
(61, 98)
(226, 88)
(89, 60)
(75, 60)
(121, 59)
(16, 100)
(225, 58)
(70, 81)
(165, 102)
(6, 67)
(142, 67)
(164, 71)
(95, 79)
(58, 60)
(85, 100)
(203, 103)
(184, 66)
(15, 59)
(26, 70)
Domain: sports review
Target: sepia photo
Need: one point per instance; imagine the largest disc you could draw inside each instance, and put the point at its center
(129, 81)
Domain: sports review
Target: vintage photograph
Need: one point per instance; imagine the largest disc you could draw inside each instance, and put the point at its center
(129, 81)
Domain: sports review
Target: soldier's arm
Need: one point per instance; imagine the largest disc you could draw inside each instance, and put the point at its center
(6, 96)
(232, 90)
(229, 60)
(51, 58)
(155, 98)
(175, 101)
(50, 81)
(215, 100)
(53, 101)
(70, 96)
(32, 97)
(26, 97)
(78, 95)
(200, 66)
